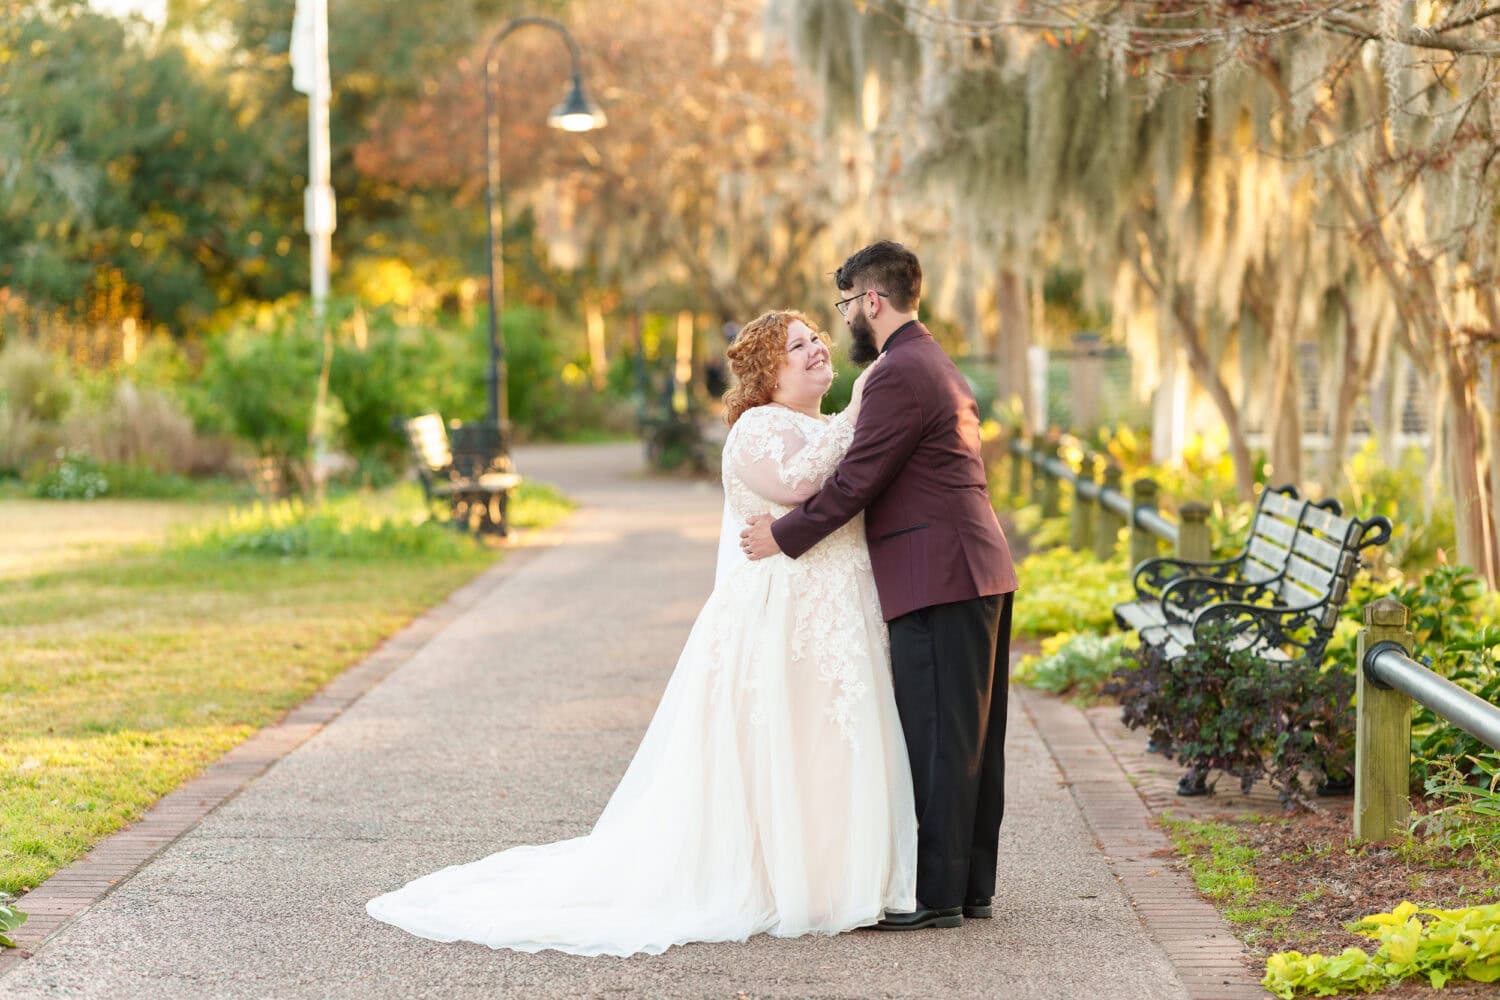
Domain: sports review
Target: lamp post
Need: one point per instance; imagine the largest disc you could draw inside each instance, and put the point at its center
(576, 113)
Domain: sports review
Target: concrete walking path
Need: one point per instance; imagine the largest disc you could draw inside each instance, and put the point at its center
(507, 718)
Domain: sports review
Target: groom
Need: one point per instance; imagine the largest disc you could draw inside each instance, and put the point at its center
(943, 571)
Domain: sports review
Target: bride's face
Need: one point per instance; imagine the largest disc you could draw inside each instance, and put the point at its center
(806, 371)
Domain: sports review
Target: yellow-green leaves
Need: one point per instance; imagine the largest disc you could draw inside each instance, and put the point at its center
(10, 919)
(1439, 945)
(1290, 973)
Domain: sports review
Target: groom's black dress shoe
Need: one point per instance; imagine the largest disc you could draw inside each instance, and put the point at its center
(979, 909)
(922, 916)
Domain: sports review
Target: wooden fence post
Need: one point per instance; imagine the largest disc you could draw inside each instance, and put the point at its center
(1382, 747)
(1193, 542)
(1108, 530)
(1081, 537)
(1143, 544)
(1051, 485)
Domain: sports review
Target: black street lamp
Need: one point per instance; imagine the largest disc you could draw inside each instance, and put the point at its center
(576, 113)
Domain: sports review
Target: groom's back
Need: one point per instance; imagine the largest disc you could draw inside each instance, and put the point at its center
(933, 534)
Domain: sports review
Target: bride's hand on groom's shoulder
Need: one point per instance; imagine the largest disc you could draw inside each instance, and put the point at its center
(858, 393)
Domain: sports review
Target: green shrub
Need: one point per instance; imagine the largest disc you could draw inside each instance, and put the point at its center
(35, 394)
(1041, 532)
(1218, 707)
(126, 426)
(260, 381)
(344, 529)
(1439, 946)
(1067, 591)
(259, 385)
(72, 475)
(1465, 796)
(34, 383)
(1422, 523)
(10, 918)
(1075, 665)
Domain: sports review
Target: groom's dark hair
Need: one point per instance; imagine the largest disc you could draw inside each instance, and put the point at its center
(886, 267)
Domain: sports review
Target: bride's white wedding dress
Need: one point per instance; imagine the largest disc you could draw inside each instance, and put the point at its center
(771, 791)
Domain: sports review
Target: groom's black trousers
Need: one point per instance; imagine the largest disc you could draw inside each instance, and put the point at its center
(951, 667)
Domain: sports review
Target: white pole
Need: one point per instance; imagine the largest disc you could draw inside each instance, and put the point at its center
(319, 207)
(310, 76)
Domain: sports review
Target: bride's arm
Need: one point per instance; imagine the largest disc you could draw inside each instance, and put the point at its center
(780, 463)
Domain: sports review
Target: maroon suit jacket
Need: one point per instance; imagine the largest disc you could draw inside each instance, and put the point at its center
(914, 469)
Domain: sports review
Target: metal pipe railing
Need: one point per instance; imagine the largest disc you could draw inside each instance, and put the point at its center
(1136, 508)
(1151, 519)
(1388, 665)
(1387, 683)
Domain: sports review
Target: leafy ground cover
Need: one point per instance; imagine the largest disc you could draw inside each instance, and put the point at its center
(127, 671)
(1300, 884)
(1295, 887)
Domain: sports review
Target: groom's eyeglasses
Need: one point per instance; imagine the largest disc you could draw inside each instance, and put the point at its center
(842, 305)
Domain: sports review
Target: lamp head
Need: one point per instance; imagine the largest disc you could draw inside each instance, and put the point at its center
(577, 113)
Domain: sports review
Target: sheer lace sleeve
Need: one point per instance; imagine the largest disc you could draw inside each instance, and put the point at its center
(784, 457)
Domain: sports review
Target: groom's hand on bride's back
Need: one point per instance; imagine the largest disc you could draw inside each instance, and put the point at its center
(756, 541)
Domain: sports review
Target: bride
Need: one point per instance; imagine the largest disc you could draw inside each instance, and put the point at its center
(771, 791)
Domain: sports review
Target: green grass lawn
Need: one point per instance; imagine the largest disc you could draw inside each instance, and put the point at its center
(123, 676)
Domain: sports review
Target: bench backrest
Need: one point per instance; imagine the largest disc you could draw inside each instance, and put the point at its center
(1324, 559)
(428, 436)
(1272, 531)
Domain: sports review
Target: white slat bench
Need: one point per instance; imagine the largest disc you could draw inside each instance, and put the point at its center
(478, 499)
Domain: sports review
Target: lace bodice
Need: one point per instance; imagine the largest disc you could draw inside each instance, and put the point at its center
(775, 458)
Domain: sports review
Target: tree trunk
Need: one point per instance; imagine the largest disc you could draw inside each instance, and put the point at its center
(1266, 297)
(1494, 433)
(1208, 376)
(1451, 356)
(1013, 375)
(1473, 504)
(1354, 372)
(1176, 297)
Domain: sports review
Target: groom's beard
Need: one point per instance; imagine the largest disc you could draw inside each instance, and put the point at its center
(863, 350)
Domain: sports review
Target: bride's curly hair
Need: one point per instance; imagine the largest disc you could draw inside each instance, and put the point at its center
(755, 356)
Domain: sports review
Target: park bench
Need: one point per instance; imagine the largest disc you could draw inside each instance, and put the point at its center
(474, 486)
(1286, 617)
(1169, 590)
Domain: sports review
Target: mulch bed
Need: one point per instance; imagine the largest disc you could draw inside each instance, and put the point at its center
(1308, 854)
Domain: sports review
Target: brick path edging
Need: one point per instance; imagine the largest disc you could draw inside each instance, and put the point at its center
(1212, 963)
(70, 891)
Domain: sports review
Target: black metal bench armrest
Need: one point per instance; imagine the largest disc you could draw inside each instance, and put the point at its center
(1373, 531)
(1306, 627)
(1183, 597)
(1152, 576)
